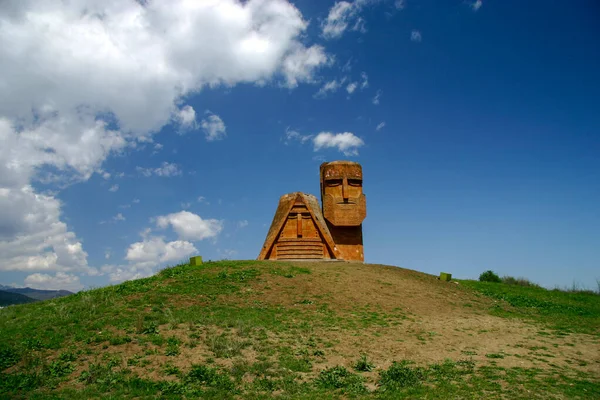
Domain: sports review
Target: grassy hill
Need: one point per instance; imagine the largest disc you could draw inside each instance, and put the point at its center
(250, 329)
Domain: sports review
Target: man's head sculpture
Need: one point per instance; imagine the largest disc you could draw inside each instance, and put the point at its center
(344, 203)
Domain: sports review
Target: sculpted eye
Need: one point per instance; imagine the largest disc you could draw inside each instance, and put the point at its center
(334, 182)
(354, 182)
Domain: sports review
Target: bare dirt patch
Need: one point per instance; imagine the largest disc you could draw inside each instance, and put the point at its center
(442, 319)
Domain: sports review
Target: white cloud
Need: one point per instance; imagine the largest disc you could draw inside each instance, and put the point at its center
(351, 87)
(165, 170)
(365, 80)
(346, 142)
(186, 117)
(83, 79)
(190, 226)
(416, 36)
(399, 4)
(154, 250)
(214, 127)
(380, 126)
(107, 254)
(242, 224)
(329, 87)
(291, 135)
(118, 217)
(476, 5)
(59, 281)
(202, 199)
(105, 175)
(377, 97)
(340, 16)
(113, 188)
(32, 237)
(146, 255)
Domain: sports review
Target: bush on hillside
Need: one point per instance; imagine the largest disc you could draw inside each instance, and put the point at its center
(510, 280)
(489, 276)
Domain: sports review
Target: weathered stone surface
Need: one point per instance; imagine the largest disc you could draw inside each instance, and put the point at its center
(298, 231)
(344, 203)
(344, 206)
(444, 276)
(301, 229)
(197, 260)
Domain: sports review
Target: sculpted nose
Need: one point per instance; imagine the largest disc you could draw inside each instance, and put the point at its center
(345, 189)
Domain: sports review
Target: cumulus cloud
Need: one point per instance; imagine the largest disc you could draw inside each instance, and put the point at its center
(380, 126)
(145, 256)
(32, 237)
(154, 250)
(60, 280)
(415, 36)
(190, 226)
(113, 188)
(346, 142)
(242, 224)
(213, 126)
(186, 117)
(84, 79)
(343, 15)
(165, 170)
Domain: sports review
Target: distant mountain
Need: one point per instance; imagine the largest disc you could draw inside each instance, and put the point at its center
(38, 294)
(9, 298)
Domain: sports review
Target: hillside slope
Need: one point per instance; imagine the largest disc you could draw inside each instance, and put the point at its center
(39, 294)
(295, 330)
(9, 298)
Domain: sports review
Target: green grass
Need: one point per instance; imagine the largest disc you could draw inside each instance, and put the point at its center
(562, 311)
(74, 347)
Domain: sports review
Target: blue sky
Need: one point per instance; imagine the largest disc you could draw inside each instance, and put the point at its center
(476, 123)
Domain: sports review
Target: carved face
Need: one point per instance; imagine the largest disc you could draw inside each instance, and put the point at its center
(344, 203)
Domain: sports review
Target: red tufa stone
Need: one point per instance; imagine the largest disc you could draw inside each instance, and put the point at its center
(302, 230)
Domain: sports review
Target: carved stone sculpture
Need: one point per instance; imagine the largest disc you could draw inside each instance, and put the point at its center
(301, 229)
(344, 206)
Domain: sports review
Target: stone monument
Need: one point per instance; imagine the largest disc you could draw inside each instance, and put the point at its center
(303, 230)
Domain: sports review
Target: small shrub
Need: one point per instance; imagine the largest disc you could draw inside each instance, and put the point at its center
(172, 350)
(118, 340)
(401, 375)
(8, 357)
(489, 276)
(225, 347)
(210, 377)
(340, 378)
(150, 329)
(363, 364)
(170, 369)
(509, 280)
(58, 368)
(295, 364)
